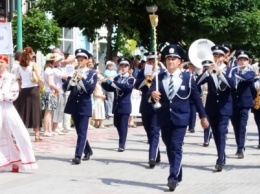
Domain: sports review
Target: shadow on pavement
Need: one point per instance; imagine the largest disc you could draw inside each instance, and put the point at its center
(53, 158)
(107, 161)
(112, 182)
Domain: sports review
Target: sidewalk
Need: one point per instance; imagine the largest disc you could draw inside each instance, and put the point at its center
(112, 172)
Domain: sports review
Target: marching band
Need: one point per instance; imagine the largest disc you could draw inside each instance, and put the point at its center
(220, 85)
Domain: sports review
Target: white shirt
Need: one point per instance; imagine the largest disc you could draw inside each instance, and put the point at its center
(25, 75)
(175, 74)
(47, 72)
(57, 73)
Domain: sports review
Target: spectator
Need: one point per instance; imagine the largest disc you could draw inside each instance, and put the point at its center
(49, 97)
(16, 148)
(110, 73)
(99, 97)
(28, 104)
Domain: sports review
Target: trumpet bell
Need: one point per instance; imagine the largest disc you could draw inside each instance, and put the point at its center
(73, 82)
(199, 51)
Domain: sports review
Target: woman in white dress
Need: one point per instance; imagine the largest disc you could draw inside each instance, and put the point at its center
(135, 102)
(15, 143)
(99, 101)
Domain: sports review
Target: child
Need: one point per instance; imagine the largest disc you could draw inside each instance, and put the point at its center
(99, 97)
(15, 145)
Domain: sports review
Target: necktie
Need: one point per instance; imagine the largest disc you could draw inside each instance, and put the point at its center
(170, 87)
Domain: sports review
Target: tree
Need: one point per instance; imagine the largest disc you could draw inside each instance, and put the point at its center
(39, 32)
(231, 21)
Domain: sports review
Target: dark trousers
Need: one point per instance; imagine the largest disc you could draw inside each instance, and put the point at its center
(173, 137)
(88, 149)
(219, 126)
(152, 129)
(257, 122)
(207, 135)
(121, 124)
(81, 125)
(192, 120)
(239, 121)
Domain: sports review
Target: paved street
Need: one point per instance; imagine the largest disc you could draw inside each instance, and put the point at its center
(126, 173)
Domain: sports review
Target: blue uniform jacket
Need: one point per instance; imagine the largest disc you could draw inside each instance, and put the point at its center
(79, 101)
(219, 100)
(241, 87)
(122, 88)
(145, 106)
(177, 109)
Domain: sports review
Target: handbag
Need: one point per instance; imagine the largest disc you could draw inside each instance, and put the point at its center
(34, 77)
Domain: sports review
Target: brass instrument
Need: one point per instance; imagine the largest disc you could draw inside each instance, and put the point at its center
(199, 51)
(149, 79)
(74, 80)
(257, 100)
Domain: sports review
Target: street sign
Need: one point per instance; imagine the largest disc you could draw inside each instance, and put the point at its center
(6, 38)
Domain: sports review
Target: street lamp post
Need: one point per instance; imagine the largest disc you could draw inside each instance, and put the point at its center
(154, 23)
(19, 40)
(151, 10)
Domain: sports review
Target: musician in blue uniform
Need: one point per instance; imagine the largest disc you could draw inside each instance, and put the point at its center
(218, 102)
(122, 86)
(192, 122)
(149, 119)
(242, 80)
(204, 91)
(79, 105)
(175, 90)
(256, 108)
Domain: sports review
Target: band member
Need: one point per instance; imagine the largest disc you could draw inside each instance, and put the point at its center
(175, 90)
(256, 108)
(218, 102)
(149, 118)
(204, 93)
(242, 78)
(229, 60)
(192, 121)
(79, 105)
(122, 86)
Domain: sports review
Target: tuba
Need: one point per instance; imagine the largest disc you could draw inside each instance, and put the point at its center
(199, 51)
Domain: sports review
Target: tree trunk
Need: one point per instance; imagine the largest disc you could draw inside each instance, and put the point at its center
(109, 53)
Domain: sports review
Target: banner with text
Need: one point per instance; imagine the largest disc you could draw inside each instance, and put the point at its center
(6, 38)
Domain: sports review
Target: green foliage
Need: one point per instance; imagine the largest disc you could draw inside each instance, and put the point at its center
(38, 31)
(231, 21)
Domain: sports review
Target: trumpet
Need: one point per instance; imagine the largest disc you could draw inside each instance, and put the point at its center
(148, 80)
(215, 66)
(74, 80)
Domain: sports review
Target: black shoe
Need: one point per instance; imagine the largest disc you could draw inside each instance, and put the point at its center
(206, 144)
(76, 160)
(158, 160)
(87, 156)
(121, 149)
(218, 167)
(240, 155)
(172, 186)
(192, 130)
(152, 163)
